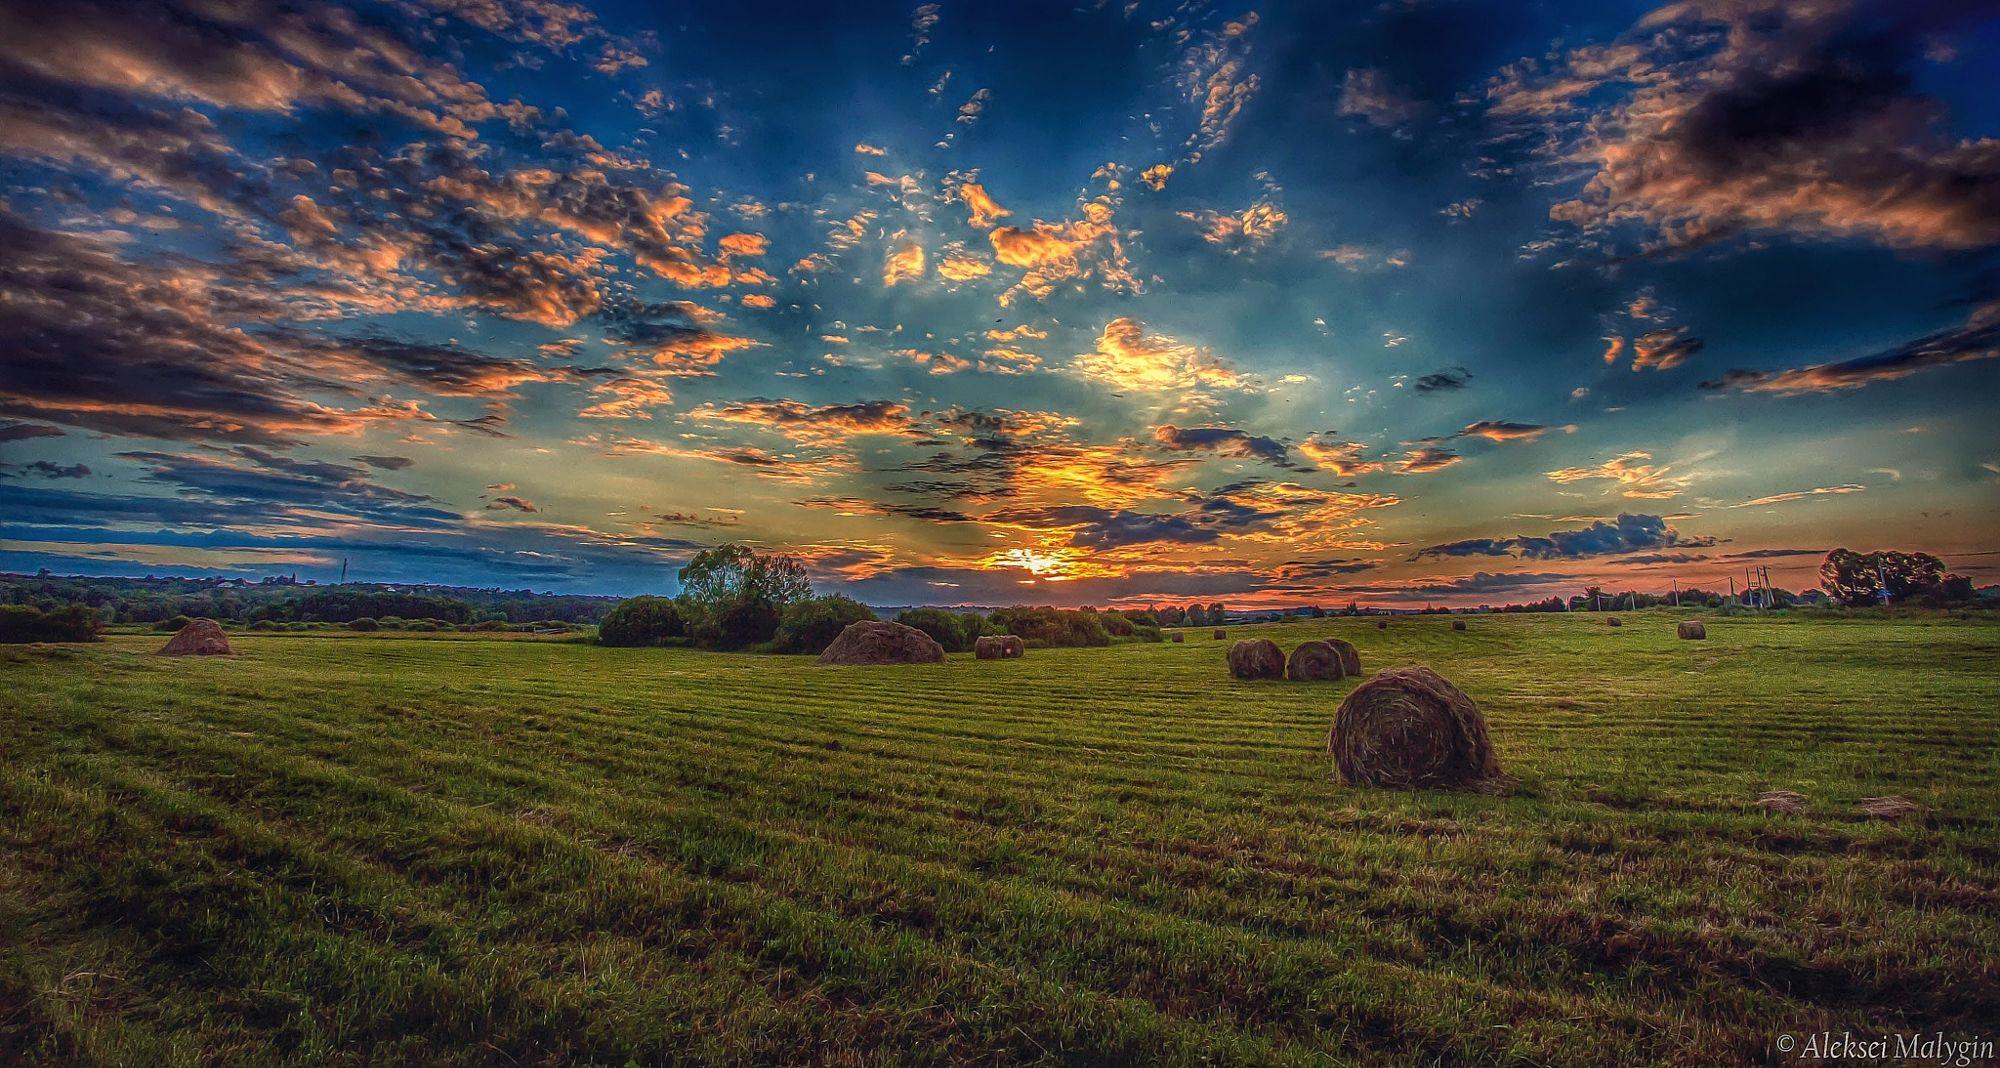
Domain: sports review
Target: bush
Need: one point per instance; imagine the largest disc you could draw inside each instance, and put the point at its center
(393, 622)
(364, 623)
(169, 626)
(1053, 627)
(1116, 624)
(26, 623)
(639, 621)
(738, 623)
(420, 624)
(953, 630)
(264, 624)
(810, 626)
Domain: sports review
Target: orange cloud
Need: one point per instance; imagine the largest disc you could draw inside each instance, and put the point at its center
(1129, 357)
(1634, 473)
(983, 210)
(904, 263)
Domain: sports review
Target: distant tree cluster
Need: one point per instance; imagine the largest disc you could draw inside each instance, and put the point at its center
(67, 623)
(286, 600)
(1891, 577)
(1194, 615)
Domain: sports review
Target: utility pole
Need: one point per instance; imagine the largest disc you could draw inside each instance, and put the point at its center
(1882, 578)
(1677, 593)
(343, 571)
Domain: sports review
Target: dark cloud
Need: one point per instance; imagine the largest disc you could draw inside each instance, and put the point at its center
(1979, 340)
(1423, 461)
(25, 431)
(1091, 527)
(518, 504)
(1224, 441)
(385, 463)
(46, 469)
(1630, 533)
(1502, 430)
(864, 506)
(1447, 379)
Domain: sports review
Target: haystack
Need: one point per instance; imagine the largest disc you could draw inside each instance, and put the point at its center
(1692, 629)
(1314, 662)
(201, 637)
(1350, 657)
(1179, 637)
(1613, 621)
(1887, 808)
(999, 647)
(1406, 729)
(1789, 802)
(1381, 624)
(1256, 658)
(1218, 634)
(1458, 624)
(874, 641)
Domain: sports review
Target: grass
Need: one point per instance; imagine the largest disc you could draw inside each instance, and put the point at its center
(353, 849)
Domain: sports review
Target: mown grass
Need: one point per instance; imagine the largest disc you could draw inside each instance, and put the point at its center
(377, 850)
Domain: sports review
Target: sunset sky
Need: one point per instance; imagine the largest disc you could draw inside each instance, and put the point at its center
(1407, 303)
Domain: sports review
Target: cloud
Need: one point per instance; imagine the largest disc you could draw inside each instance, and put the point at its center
(982, 210)
(1215, 75)
(1977, 340)
(1637, 477)
(904, 263)
(1630, 533)
(385, 463)
(1799, 495)
(1091, 527)
(45, 469)
(518, 504)
(1423, 461)
(866, 507)
(1253, 227)
(1128, 357)
(24, 431)
(1447, 379)
(1343, 458)
(1714, 120)
(1223, 441)
(1500, 430)
(1367, 93)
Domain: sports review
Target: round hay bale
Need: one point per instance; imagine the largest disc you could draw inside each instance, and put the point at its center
(1381, 624)
(999, 647)
(1179, 637)
(874, 641)
(1218, 634)
(1408, 729)
(201, 637)
(1692, 629)
(1458, 624)
(1314, 662)
(1256, 658)
(1614, 621)
(1350, 657)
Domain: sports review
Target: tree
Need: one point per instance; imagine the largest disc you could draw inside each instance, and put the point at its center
(739, 623)
(955, 631)
(729, 572)
(1861, 578)
(809, 626)
(1216, 616)
(637, 621)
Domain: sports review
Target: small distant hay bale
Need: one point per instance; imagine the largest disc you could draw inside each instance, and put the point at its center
(1350, 657)
(1887, 808)
(1409, 729)
(875, 641)
(1256, 658)
(1614, 621)
(1458, 624)
(1381, 624)
(1789, 802)
(1315, 662)
(201, 637)
(999, 647)
(1179, 637)
(1692, 629)
(1219, 634)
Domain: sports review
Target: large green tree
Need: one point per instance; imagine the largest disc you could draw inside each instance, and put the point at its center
(1861, 578)
(737, 572)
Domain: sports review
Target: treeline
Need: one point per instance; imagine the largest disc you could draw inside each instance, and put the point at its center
(733, 598)
(283, 600)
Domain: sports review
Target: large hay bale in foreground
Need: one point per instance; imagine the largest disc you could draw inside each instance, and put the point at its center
(1314, 662)
(1256, 658)
(874, 641)
(1218, 634)
(201, 637)
(1408, 729)
(1350, 657)
(1692, 629)
(1458, 624)
(1614, 621)
(999, 647)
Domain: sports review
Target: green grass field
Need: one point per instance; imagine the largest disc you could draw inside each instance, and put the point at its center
(366, 850)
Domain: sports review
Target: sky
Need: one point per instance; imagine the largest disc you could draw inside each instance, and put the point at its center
(1420, 302)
